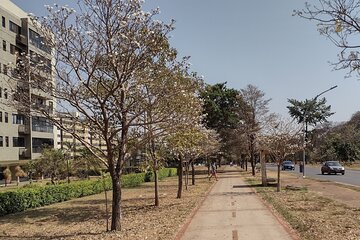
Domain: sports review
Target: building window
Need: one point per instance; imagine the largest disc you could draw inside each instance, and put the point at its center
(12, 49)
(40, 61)
(1, 141)
(38, 41)
(5, 69)
(0, 116)
(0, 91)
(3, 21)
(14, 27)
(5, 93)
(18, 119)
(38, 144)
(4, 45)
(6, 141)
(6, 117)
(40, 124)
(18, 142)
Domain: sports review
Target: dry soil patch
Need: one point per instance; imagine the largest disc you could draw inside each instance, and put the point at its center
(85, 218)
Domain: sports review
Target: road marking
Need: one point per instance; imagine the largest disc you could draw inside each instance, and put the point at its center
(233, 214)
(235, 235)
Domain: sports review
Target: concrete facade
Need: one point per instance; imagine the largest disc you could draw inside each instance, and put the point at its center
(66, 140)
(22, 137)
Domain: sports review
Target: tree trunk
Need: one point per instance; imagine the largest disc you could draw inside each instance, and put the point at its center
(252, 158)
(278, 188)
(116, 204)
(192, 173)
(246, 164)
(156, 176)
(180, 178)
(186, 175)
(17, 181)
(263, 169)
(106, 204)
(208, 168)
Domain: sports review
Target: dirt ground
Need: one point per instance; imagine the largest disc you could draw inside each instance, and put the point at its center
(324, 211)
(85, 218)
(340, 193)
(321, 210)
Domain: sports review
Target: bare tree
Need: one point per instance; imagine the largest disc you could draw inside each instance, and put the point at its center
(255, 117)
(166, 105)
(106, 55)
(338, 20)
(281, 138)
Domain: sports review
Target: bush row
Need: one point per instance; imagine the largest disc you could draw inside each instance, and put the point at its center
(163, 173)
(34, 196)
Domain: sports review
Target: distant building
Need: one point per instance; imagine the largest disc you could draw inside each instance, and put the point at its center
(22, 137)
(67, 141)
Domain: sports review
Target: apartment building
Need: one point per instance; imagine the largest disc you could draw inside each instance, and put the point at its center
(22, 137)
(70, 144)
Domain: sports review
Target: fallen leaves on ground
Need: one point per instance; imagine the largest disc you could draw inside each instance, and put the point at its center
(320, 211)
(85, 218)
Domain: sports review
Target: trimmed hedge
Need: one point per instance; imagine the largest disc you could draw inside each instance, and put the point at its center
(33, 196)
(163, 173)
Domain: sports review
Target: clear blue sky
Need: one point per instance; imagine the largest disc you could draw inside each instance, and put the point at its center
(255, 42)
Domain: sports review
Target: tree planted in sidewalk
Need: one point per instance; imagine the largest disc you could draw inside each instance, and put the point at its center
(167, 103)
(255, 116)
(223, 112)
(182, 144)
(281, 138)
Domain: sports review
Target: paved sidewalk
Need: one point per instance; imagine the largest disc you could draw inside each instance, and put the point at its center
(233, 211)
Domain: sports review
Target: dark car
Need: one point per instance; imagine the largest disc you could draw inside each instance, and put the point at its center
(332, 167)
(288, 165)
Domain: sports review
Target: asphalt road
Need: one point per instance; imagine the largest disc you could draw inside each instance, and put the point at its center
(351, 176)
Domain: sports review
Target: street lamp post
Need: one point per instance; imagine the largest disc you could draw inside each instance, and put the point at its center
(306, 127)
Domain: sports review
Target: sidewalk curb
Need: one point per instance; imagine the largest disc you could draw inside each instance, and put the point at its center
(183, 228)
(292, 233)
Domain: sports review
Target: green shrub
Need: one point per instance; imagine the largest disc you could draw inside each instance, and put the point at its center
(149, 176)
(33, 196)
(163, 173)
(132, 180)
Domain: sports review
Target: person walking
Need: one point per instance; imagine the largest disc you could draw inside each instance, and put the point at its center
(213, 170)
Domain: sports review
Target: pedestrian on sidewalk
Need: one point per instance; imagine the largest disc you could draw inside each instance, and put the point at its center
(213, 170)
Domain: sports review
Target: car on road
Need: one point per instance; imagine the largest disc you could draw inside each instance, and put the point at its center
(332, 167)
(288, 165)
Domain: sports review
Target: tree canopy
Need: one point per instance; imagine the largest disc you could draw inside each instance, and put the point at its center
(221, 106)
(309, 111)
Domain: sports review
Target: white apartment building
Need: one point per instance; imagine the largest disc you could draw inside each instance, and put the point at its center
(68, 142)
(21, 137)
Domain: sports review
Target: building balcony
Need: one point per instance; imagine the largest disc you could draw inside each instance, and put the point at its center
(45, 108)
(24, 153)
(21, 39)
(24, 129)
